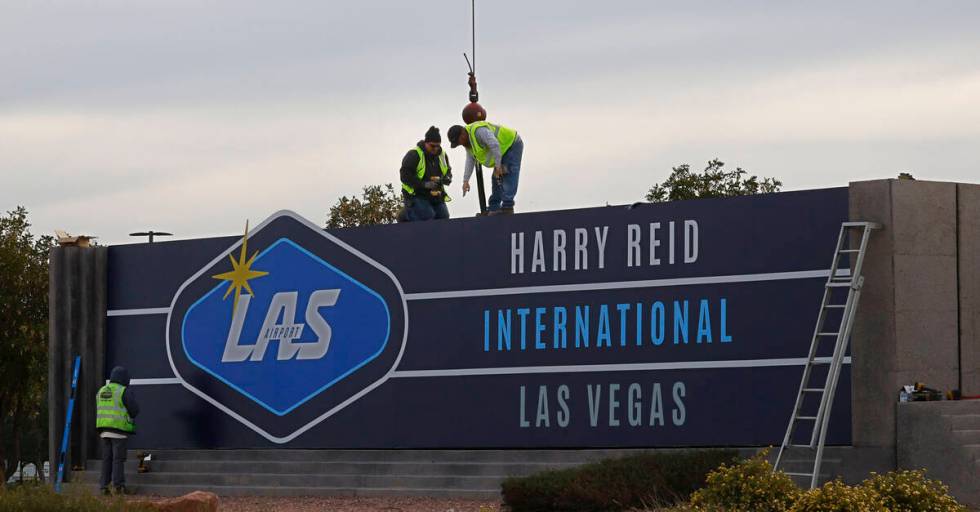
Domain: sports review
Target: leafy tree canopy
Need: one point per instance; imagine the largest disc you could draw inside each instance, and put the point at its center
(714, 181)
(378, 204)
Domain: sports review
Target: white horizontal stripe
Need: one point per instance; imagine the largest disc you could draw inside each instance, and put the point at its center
(134, 312)
(154, 382)
(626, 367)
(580, 287)
(522, 370)
(620, 285)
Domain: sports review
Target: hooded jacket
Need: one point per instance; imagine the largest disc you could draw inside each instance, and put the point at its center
(409, 173)
(120, 376)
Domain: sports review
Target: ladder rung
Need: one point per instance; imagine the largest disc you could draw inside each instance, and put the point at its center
(813, 390)
(835, 306)
(800, 446)
(858, 224)
(819, 363)
(849, 250)
(839, 284)
(808, 418)
(809, 475)
(827, 333)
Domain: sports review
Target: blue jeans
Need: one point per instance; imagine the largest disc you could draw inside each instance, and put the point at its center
(504, 189)
(419, 208)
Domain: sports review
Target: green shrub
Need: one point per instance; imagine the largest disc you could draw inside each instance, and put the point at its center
(41, 498)
(636, 481)
(836, 496)
(910, 491)
(747, 486)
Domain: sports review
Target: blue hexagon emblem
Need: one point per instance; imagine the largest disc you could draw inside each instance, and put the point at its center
(286, 327)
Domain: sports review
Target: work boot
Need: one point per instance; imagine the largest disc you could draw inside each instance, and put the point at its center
(105, 491)
(119, 491)
(502, 211)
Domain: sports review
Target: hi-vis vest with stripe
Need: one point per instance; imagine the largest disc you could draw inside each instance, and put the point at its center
(420, 171)
(110, 410)
(505, 137)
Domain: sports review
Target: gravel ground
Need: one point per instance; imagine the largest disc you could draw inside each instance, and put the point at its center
(325, 504)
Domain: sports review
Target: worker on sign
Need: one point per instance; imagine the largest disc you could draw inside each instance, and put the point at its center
(497, 147)
(115, 409)
(425, 173)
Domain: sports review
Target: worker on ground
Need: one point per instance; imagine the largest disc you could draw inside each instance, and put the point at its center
(115, 409)
(425, 173)
(496, 147)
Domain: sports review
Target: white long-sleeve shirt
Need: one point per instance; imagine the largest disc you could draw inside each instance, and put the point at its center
(486, 139)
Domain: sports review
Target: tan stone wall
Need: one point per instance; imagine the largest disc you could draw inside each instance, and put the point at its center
(908, 326)
(968, 200)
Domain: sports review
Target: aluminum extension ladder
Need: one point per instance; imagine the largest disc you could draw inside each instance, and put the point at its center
(839, 279)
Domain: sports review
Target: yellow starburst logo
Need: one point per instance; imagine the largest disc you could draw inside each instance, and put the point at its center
(241, 273)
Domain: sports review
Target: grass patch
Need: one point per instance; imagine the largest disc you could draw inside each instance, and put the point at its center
(41, 498)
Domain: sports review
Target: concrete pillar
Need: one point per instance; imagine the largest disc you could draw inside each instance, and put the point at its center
(77, 311)
(968, 205)
(907, 324)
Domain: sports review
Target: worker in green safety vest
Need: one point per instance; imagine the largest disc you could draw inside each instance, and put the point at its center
(425, 174)
(116, 408)
(496, 147)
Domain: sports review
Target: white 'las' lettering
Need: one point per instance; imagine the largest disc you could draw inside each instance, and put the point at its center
(286, 332)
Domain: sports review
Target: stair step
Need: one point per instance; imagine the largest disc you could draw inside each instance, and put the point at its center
(389, 456)
(967, 436)
(237, 490)
(343, 468)
(484, 483)
(972, 449)
(964, 421)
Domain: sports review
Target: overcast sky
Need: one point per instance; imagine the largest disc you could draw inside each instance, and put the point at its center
(191, 116)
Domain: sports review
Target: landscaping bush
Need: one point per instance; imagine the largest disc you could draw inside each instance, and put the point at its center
(836, 496)
(636, 481)
(41, 498)
(746, 486)
(911, 491)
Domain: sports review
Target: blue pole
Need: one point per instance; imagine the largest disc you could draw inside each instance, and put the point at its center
(64, 438)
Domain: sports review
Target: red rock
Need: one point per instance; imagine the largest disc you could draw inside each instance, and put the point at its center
(197, 501)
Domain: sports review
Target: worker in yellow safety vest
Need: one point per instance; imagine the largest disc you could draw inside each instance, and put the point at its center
(496, 147)
(116, 409)
(425, 174)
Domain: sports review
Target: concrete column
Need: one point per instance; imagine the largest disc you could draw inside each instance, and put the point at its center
(873, 335)
(77, 310)
(968, 203)
(907, 324)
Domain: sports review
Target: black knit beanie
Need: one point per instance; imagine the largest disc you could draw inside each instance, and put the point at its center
(432, 135)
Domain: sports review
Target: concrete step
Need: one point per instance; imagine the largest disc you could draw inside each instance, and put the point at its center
(964, 421)
(209, 480)
(449, 473)
(972, 450)
(443, 473)
(971, 436)
(471, 456)
(235, 490)
(343, 468)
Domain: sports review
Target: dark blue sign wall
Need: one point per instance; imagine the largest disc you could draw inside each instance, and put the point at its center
(682, 324)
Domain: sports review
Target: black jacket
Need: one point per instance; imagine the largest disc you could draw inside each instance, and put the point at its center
(121, 376)
(409, 173)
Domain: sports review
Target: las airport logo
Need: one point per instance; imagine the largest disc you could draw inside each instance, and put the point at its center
(286, 328)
